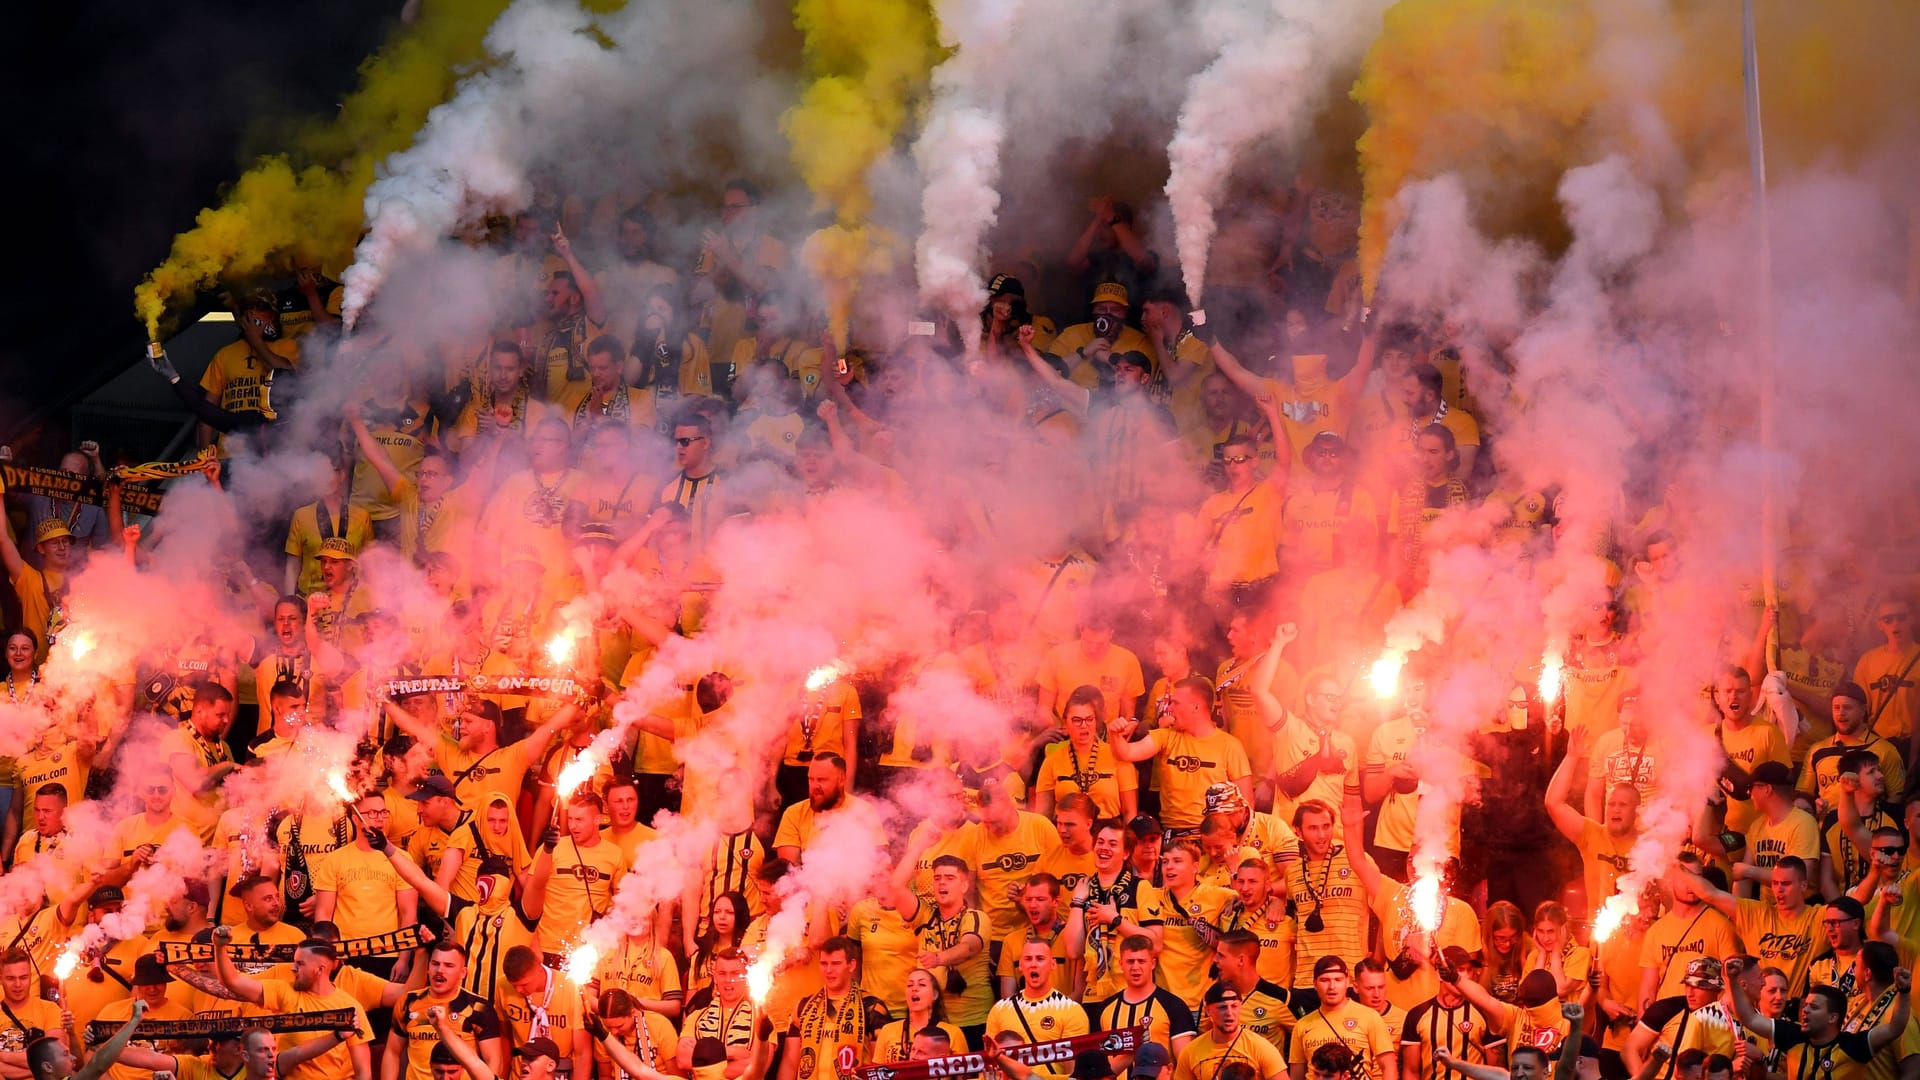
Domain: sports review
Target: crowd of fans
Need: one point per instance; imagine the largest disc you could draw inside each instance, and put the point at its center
(1200, 817)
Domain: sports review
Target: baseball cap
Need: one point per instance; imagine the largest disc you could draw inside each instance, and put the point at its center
(1327, 440)
(1849, 907)
(1005, 285)
(1537, 988)
(489, 710)
(1149, 1057)
(1703, 973)
(106, 894)
(1329, 963)
(337, 547)
(1110, 292)
(51, 529)
(1224, 798)
(1850, 690)
(541, 1047)
(198, 893)
(433, 784)
(1773, 774)
(149, 971)
(1220, 992)
(1457, 957)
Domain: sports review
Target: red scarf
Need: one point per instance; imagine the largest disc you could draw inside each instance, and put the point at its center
(1122, 1041)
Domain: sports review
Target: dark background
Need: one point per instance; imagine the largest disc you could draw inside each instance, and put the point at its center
(132, 117)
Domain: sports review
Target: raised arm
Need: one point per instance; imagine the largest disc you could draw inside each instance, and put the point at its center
(1120, 731)
(1468, 1069)
(1075, 398)
(1252, 385)
(450, 1037)
(1886, 1031)
(591, 298)
(1750, 1017)
(1353, 816)
(437, 898)
(1716, 898)
(1569, 821)
(295, 1056)
(370, 450)
(1272, 713)
(1498, 1013)
(245, 987)
(109, 1052)
(1574, 1013)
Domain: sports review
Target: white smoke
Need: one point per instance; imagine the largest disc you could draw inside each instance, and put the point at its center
(1276, 61)
(958, 153)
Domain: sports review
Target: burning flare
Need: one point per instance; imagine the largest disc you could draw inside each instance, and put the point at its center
(1552, 676)
(63, 968)
(79, 645)
(561, 649)
(582, 962)
(1429, 902)
(337, 783)
(1611, 914)
(1384, 676)
(823, 676)
(760, 978)
(577, 772)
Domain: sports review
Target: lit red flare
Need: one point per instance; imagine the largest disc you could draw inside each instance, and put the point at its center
(68, 962)
(577, 772)
(582, 962)
(823, 676)
(1428, 901)
(1552, 677)
(1384, 676)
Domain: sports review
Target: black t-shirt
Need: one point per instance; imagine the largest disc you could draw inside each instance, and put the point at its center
(1844, 1058)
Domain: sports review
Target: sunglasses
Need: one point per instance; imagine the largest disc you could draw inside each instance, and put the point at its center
(689, 440)
(1237, 459)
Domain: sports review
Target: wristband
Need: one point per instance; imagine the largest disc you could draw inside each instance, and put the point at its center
(1080, 905)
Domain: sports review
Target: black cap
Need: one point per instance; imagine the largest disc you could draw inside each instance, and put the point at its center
(107, 894)
(1329, 963)
(1005, 284)
(1537, 988)
(433, 784)
(149, 971)
(541, 1047)
(1149, 1057)
(1220, 992)
(1773, 774)
(1850, 690)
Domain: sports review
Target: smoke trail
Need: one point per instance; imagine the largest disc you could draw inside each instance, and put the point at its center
(868, 60)
(958, 152)
(1274, 65)
(306, 205)
(564, 89)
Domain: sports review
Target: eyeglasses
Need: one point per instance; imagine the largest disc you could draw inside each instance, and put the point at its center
(1842, 921)
(689, 440)
(1237, 459)
(1892, 849)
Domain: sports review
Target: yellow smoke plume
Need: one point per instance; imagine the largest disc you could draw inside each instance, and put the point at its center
(868, 61)
(306, 206)
(1500, 84)
(1511, 93)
